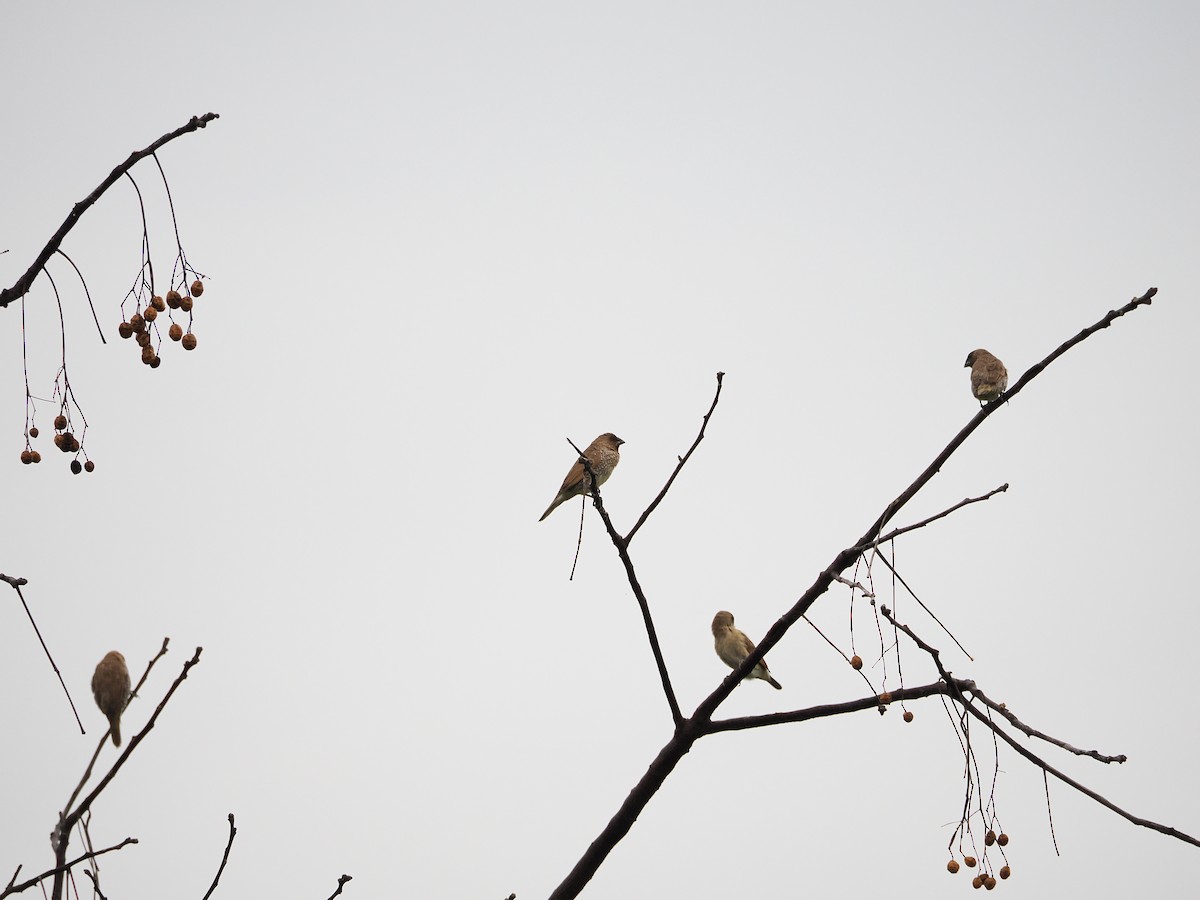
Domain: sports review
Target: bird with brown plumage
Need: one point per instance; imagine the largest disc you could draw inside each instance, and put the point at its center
(110, 687)
(603, 455)
(733, 647)
(989, 378)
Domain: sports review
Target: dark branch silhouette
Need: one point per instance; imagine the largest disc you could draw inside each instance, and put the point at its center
(689, 730)
(17, 584)
(224, 859)
(58, 870)
(341, 884)
(22, 285)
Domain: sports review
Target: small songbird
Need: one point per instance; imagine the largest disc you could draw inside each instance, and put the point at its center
(733, 646)
(110, 686)
(603, 454)
(989, 378)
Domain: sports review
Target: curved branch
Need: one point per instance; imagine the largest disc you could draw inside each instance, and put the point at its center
(224, 859)
(22, 285)
(59, 869)
(828, 709)
(682, 462)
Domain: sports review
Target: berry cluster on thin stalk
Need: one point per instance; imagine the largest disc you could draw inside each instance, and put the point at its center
(183, 288)
(65, 438)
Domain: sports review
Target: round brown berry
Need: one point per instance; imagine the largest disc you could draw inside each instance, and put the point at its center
(908, 716)
(197, 288)
(147, 354)
(952, 867)
(125, 330)
(37, 457)
(173, 299)
(76, 467)
(185, 303)
(970, 861)
(1002, 839)
(977, 882)
(60, 422)
(26, 456)
(89, 466)
(155, 363)
(137, 323)
(58, 440)
(856, 662)
(989, 838)
(33, 432)
(143, 339)
(885, 698)
(989, 882)
(70, 443)
(1005, 871)
(150, 314)
(175, 331)
(189, 341)
(158, 303)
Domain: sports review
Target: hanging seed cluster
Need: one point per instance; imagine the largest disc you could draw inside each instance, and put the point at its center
(65, 440)
(985, 878)
(143, 327)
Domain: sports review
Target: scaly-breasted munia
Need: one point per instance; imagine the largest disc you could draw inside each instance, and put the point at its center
(989, 378)
(603, 454)
(110, 686)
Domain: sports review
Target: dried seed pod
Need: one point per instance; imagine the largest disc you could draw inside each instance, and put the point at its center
(58, 439)
(156, 362)
(125, 330)
(150, 314)
(856, 662)
(970, 861)
(71, 442)
(37, 457)
(175, 332)
(977, 882)
(989, 838)
(89, 466)
(158, 303)
(143, 339)
(908, 716)
(185, 303)
(147, 354)
(33, 432)
(26, 456)
(1005, 871)
(173, 299)
(1002, 839)
(76, 467)
(137, 323)
(952, 867)
(197, 288)
(989, 882)
(60, 422)
(189, 341)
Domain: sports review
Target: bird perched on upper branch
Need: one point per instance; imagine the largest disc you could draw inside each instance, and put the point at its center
(603, 455)
(110, 686)
(733, 647)
(989, 378)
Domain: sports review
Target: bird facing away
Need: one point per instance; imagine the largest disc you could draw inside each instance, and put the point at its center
(989, 378)
(603, 454)
(110, 686)
(733, 646)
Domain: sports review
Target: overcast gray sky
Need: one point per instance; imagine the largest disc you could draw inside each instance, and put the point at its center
(440, 238)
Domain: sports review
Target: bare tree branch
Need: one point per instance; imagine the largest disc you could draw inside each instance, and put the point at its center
(635, 585)
(22, 285)
(17, 583)
(682, 462)
(892, 535)
(341, 884)
(829, 709)
(224, 859)
(691, 729)
(61, 868)
(1034, 733)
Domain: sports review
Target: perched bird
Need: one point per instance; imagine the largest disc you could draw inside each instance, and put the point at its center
(110, 686)
(989, 378)
(733, 646)
(603, 455)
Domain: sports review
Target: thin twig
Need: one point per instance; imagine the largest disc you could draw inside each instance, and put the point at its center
(861, 673)
(341, 883)
(224, 859)
(892, 535)
(1034, 733)
(16, 586)
(635, 585)
(63, 867)
(21, 287)
(579, 540)
(928, 611)
(829, 709)
(682, 462)
(91, 306)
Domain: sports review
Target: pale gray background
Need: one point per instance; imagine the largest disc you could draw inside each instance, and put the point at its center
(442, 237)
